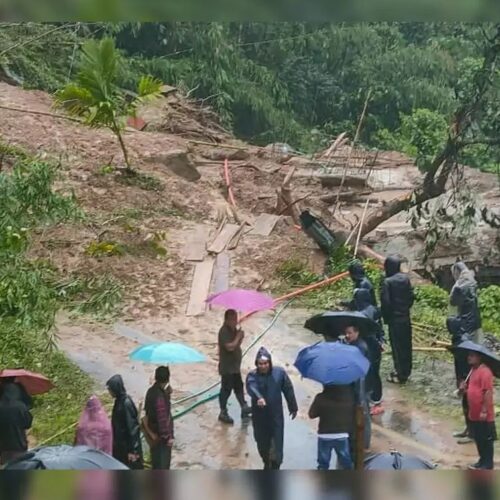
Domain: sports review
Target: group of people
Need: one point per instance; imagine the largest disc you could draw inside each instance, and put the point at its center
(335, 405)
(121, 436)
(267, 384)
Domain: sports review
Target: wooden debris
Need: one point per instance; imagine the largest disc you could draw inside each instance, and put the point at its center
(221, 273)
(233, 243)
(264, 224)
(200, 287)
(352, 196)
(196, 244)
(285, 203)
(223, 238)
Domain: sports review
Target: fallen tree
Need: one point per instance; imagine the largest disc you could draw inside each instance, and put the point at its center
(471, 124)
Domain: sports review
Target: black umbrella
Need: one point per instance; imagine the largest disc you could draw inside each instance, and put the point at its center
(489, 358)
(65, 457)
(395, 461)
(333, 323)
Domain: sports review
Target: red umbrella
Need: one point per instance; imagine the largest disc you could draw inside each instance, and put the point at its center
(34, 383)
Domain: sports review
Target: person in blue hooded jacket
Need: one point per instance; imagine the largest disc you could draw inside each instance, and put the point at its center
(266, 385)
(375, 341)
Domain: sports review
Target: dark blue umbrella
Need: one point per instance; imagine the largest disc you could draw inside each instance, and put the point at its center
(65, 457)
(333, 323)
(332, 363)
(489, 358)
(396, 461)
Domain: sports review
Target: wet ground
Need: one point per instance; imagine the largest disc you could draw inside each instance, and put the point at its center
(201, 441)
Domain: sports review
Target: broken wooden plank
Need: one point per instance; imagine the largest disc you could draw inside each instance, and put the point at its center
(195, 248)
(221, 273)
(200, 287)
(264, 224)
(223, 238)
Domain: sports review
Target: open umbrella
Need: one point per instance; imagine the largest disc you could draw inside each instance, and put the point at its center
(65, 457)
(395, 461)
(333, 323)
(166, 353)
(332, 363)
(489, 358)
(247, 301)
(34, 383)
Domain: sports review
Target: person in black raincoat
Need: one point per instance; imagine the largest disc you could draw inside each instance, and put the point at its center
(465, 325)
(265, 385)
(15, 420)
(396, 300)
(23, 394)
(127, 447)
(360, 280)
(374, 341)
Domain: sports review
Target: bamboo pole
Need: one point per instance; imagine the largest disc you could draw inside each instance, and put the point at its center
(228, 183)
(361, 226)
(356, 136)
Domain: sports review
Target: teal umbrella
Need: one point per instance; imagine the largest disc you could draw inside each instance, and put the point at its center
(168, 353)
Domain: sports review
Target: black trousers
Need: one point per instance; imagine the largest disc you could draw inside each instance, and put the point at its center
(400, 335)
(161, 456)
(230, 383)
(484, 434)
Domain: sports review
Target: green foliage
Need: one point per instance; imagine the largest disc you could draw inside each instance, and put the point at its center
(431, 296)
(59, 408)
(95, 95)
(489, 298)
(142, 181)
(420, 135)
(99, 296)
(104, 249)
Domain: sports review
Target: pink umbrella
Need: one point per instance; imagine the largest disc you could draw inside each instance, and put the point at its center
(247, 301)
(34, 383)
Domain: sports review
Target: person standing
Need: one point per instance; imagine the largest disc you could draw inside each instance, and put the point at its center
(465, 325)
(127, 447)
(335, 408)
(159, 421)
(361, 388)
(94, 427)
(15, 420)
(375, 343)
(479, 393)
(361, 281)
(396, 300)
(266, 385)
(230, 339)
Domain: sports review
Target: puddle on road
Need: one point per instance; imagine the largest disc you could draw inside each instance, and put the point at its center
(203, 442)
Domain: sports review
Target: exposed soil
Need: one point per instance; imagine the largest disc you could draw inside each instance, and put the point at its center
(157, 288)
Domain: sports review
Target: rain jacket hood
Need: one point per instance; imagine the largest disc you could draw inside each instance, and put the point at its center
(462, 275)
(116, 386)
(356, 270)
(264, 353)
(392, 265)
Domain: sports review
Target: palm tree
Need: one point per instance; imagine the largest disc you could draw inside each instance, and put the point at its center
(95, 96)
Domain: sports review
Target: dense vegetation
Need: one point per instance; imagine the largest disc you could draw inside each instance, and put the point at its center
(31, 292)
(300, 83)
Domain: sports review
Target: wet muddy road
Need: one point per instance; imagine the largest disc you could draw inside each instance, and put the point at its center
(201, 441)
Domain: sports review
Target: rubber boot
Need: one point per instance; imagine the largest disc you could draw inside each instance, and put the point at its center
(225, 418)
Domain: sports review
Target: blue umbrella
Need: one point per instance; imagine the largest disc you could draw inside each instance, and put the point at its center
(332, 363)
(166, 353)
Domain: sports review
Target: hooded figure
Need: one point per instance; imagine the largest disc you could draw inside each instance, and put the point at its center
(374, 340)
(15, 420)
(360, 280)
(464, 297)
(463, 326)
(265, 385)
(22, 392)
(127, 446)
(94, 428)
(396, 300)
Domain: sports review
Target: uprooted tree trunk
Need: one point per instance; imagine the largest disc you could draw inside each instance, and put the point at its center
(285, 203)
(445, 161)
